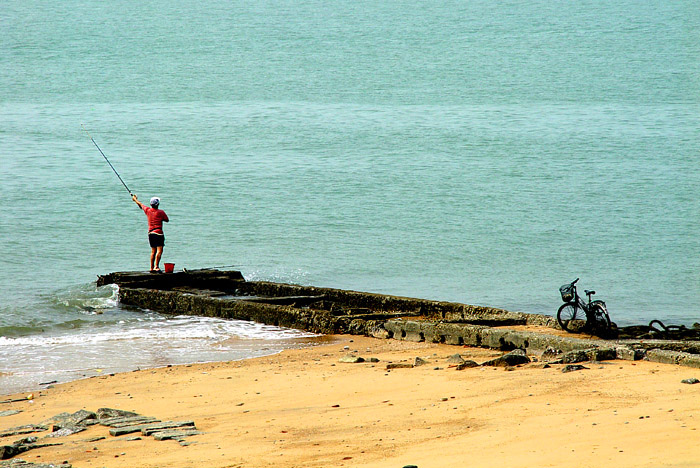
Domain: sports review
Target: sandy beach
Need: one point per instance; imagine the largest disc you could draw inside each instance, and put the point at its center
(304, 408)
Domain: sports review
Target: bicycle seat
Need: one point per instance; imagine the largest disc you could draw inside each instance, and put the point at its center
(589, 293)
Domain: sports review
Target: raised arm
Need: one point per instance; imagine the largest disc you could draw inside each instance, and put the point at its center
(136, 200)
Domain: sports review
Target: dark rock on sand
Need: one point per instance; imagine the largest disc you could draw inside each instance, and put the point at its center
(9, 451)
(467, 365)
(455, 359)
(690, 381)
(573, 367)
(419, 362)
(513, 358)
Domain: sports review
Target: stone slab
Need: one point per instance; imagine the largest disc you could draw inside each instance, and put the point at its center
(166, 425)
(629, 354)
(690, 360)
(22, 430)
(399, 365)
(81, 417)
(664, 357)
(107, 413)
(175, 435)
(120, 431)
(124, 422)
(66, 431)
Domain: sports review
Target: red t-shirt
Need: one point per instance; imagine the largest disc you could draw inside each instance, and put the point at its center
(155, 219)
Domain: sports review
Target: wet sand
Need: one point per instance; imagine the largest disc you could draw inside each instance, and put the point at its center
(303, 408)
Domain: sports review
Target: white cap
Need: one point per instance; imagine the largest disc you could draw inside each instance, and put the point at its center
(155, 201)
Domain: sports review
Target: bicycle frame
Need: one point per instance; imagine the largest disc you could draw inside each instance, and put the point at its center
(596, 312)
(579, 302)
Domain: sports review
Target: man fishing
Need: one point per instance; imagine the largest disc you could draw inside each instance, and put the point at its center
(156, 237)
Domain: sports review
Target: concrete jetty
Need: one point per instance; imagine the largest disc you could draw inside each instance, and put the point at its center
(227, 295)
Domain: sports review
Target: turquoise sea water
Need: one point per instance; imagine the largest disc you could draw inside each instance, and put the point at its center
(477, 152)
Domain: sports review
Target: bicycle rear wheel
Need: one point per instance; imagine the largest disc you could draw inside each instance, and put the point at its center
(602, 319)
(570, 317)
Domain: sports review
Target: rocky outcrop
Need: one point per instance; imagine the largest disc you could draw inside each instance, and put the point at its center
(66, 424)
(21, 446)
(19, 463)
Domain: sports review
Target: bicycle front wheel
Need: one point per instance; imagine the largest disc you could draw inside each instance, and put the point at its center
(570, 317)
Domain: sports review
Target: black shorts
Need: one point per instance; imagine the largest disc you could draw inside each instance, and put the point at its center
(156, 240)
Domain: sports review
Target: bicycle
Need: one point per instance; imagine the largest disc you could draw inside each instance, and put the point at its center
(571, 314)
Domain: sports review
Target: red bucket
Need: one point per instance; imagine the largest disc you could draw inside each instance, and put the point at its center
(169, 267)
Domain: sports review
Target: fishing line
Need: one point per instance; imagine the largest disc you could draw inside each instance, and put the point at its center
(103, 155)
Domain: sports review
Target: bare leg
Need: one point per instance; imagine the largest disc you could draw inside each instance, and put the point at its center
(153, 256)
(159, 253)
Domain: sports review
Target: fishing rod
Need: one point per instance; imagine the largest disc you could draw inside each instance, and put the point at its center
(110, 164)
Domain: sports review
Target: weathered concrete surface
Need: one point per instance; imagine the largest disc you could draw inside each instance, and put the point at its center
(201, 278)
(173, 302)
(481, 336)
(629, 353)
(337, 301)
(226, 294)
(673, 357)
